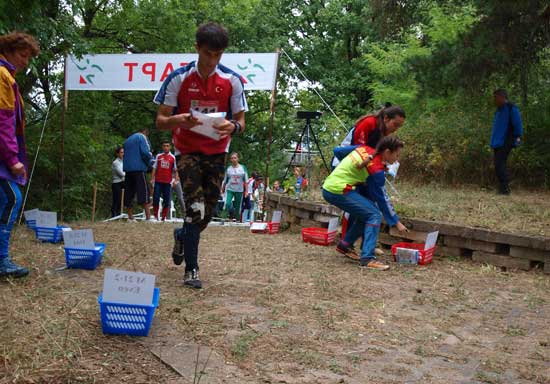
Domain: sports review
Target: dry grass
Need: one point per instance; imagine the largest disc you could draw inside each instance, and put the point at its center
(523, 212)
(277, 310)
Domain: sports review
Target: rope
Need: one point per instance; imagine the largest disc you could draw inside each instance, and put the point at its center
(35, 159)
(315, 90)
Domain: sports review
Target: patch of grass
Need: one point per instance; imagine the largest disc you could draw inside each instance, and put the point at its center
(335, 367)
(309, 358)
(515, 330)
(534, 302)
(279, 324)
(241, 346)
(486, 377)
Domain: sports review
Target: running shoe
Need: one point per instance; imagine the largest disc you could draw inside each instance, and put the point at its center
(347, 251)
(374, 264)
(191, 279)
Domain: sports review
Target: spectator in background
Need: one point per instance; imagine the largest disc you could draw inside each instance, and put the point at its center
(259, 191)
(277, 187)
(165, 173)
(118, 181)
(301, 182)
(137, 157)
(506, 135)
(16, 50)
(248, 200)
(235, 186)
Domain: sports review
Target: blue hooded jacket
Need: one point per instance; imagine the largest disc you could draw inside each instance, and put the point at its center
(506, 117)
(137, 153)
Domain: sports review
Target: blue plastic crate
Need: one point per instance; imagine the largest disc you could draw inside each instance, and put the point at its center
(127, 319)
(31, 224)
(84, 258)
(49, 235)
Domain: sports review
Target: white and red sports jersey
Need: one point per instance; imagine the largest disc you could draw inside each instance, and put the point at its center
(184, 90)
(165, 166)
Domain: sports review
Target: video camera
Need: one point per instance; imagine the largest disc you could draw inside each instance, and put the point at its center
(308, 115)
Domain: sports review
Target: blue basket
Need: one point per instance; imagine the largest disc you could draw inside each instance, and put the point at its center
(84, 258)
(31, 224)
(49, 235)
(127, 319)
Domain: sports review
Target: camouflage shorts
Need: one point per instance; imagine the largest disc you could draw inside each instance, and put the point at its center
(201, 177)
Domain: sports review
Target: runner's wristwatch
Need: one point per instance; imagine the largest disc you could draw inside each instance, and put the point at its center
(238, 127)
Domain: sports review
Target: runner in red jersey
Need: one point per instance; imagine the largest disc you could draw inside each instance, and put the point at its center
(208, 87)
(165, 173)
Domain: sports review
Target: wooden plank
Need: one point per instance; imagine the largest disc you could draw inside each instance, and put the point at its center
(308, 205)
(547, 265)
(302, 214)
(529, 253)
(537, 242)
(386, 239)
(444, 251)
(416, 236)
(474, 245)
(323, 218)
(501, 260)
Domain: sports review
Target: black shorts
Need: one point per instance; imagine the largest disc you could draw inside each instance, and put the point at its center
(135, 183)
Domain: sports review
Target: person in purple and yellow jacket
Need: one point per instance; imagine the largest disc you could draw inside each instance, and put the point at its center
(16, 50)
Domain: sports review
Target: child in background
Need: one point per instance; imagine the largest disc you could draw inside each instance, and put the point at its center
(300, 185)
(165, 173)
(364, 165)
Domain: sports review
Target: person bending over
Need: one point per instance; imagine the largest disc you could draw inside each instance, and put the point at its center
(364, 165)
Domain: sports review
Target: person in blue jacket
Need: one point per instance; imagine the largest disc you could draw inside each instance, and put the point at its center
(137, 159)
(507, 132)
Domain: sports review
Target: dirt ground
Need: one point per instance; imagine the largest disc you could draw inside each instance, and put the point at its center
(274, 310)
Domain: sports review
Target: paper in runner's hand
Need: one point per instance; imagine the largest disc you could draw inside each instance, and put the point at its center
(208, 121)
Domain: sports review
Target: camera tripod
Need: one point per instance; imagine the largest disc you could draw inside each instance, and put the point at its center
(308, 133)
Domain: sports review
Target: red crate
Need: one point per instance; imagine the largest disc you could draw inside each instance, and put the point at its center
(426, 256)
(272, 228)
(318, 236)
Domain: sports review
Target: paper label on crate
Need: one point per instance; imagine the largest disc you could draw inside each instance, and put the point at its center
(276, 218)
(407, 256)
(46, 219)
(80, 239)
(127, 287)
(258, 226)
(31, 214)
(332, 225)
(431, 240)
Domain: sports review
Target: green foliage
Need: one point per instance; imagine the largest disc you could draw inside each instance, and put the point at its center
(439, 59)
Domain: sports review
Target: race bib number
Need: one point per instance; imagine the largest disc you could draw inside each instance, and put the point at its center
(203, 106)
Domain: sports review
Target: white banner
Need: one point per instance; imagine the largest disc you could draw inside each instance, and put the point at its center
(146, 72)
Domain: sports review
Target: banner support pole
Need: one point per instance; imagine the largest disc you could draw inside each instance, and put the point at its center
(63, 117)
(271, 124)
